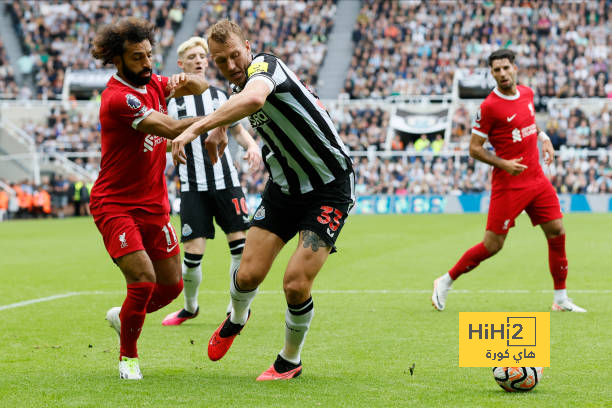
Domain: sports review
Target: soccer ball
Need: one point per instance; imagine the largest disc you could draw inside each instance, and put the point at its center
(521, 379)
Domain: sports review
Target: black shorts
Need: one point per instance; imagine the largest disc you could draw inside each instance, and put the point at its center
(323, 211)
(228, 207)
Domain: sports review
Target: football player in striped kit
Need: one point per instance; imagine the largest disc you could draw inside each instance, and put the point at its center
(208, 191)
(310, 191)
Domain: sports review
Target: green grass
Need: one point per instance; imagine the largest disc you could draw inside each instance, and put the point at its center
(61, 353)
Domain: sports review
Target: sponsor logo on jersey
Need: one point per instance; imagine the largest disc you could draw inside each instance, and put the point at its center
(132, 101)
(260, 214)
(150, 141)
(259, 118)
(162, 109)
(122, 240)
(186, 231)
(257, 67)
(519, 135)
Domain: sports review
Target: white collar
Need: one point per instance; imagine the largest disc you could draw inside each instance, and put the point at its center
(141, 90)
(507, 97)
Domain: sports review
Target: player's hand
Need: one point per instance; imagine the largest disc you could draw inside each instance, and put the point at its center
(178, 148)
(548, 152)
(175, 82)
(216, 142)
(514, 166)
(253, 157)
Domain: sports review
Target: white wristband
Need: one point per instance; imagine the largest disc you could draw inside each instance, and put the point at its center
(542, 137)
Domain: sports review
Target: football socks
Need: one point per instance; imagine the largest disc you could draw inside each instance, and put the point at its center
(297, 323)
(241, 301)
(192, 278)
(236, 248)
(557, 260)
(132, 316)
(470, 259)
(163, 295)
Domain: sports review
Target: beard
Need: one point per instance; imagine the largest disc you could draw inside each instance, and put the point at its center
(136, 78)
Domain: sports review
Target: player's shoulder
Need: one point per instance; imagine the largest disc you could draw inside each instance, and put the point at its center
(525, 90)
(262, 63)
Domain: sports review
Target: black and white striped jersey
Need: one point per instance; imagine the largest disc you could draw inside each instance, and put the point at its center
(199, 174)
(302, 149)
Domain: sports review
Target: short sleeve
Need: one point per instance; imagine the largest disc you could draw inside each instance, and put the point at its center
(163, 82)
(265, 68)
(129, 108)
(482, 121)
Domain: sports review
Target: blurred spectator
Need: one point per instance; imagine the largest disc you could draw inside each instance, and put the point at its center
(57, 35)
(414, 47)
(296, 31)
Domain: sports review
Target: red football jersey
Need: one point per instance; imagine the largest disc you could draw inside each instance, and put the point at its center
(133, 163)
(509, 124)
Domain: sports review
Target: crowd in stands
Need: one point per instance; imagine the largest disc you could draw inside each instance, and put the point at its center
(295, 31)
(53, 197)
(57, 35)
(8, 86)
(414, 47)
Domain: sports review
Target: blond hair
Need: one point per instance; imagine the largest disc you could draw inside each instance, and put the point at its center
(221, 31)
(191, 43)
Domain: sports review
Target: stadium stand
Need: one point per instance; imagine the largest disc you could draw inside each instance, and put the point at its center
(406, 56)
(56, 36)
(8, 86)
(414, 47)
(295, 31)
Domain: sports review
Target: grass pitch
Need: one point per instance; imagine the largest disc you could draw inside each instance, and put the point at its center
(373, 321)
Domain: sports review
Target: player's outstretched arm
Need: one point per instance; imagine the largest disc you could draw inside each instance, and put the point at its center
(247, 102)
(186, 84)
(163, 125)
(478, 152)
(244, 139)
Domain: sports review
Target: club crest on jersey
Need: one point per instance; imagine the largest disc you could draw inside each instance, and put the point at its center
(257, 67)
(260, 214)
(259, 118)
(530, 106)
(132, 101)
(186, 230)
(122, 240)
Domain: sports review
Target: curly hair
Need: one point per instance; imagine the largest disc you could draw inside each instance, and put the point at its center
(110, 39)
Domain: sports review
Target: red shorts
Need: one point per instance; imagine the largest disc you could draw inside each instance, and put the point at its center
(540, 202)
(134, 230)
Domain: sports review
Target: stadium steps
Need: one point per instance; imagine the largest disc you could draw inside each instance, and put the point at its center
(338, 58)
(186, 31)
(11, 44)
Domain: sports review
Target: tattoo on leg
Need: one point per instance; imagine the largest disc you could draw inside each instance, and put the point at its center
(311, 239)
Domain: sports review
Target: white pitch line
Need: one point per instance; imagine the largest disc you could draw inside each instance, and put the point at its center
(53, 297)
(317, 292)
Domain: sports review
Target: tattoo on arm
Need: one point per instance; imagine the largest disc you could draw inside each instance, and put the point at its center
(311, 239)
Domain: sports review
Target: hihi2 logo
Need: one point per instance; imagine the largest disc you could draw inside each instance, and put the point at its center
(490, 339)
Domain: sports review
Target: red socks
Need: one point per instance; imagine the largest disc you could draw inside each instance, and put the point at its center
(163, 295)
(132, 316)
(142, 298)
(470, 259)
(557, 260)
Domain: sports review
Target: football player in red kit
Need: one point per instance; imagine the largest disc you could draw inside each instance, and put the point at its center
(129, 201)
(506, 119)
